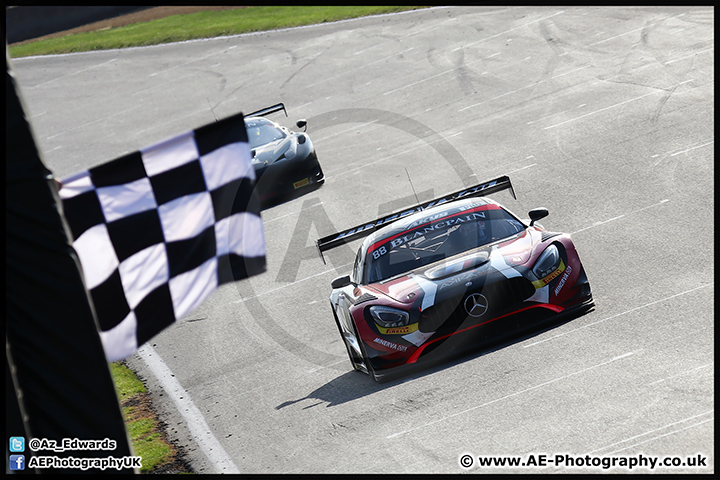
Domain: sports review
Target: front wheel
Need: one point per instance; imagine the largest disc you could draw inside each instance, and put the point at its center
(356, 360)
(368, 368)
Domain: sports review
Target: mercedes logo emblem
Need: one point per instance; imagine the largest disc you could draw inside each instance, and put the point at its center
(476, 305)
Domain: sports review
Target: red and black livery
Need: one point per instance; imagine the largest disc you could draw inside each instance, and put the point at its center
(450, 273)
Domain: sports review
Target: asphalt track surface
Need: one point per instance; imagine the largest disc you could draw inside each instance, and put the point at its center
(603, 115)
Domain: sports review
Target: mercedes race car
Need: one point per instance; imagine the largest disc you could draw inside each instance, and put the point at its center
(452, 273)
(285, 162)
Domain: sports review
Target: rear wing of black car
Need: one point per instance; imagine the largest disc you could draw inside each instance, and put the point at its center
(365, 229)
(268, 110)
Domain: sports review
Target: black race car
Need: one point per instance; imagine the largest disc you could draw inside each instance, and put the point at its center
(285, 162)
(456, 272)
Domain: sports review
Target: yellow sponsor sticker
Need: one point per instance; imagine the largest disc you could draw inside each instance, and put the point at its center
(398, 330)
(544, 281)
(301, 183)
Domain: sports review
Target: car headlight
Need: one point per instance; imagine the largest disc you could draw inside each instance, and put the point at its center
(548, 261)
(389, 317)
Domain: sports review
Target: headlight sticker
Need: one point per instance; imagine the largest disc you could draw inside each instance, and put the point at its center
(397, 330)
(544, 281)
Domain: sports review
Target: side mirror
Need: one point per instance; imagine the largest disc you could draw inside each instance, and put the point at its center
(341, 282)
(537, 213)
(302, 123)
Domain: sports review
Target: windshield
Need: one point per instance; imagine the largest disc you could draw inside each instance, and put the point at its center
(436, 240)
(261, 132)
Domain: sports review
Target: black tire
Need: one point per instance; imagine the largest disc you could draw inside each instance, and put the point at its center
(350, 352)
(365, 358)
(354, 361)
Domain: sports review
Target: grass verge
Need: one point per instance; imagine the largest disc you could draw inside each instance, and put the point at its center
(144, 427)
(206, 24)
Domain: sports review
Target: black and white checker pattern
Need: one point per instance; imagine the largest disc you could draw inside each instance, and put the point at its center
(158, 230)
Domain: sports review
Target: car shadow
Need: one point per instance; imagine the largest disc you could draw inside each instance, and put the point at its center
(347, 387)
(354, 385)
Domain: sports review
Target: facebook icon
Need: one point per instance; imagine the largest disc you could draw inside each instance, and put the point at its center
(17, 462)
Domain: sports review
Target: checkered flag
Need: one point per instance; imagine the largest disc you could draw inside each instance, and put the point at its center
(158, 230)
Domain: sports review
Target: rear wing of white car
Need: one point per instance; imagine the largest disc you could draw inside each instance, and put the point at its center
(365, 229)
(268, 110)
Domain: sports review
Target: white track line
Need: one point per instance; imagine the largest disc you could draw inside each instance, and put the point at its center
(194, 419)
(681, 374)
(617, 105)
(620, 216)
(512, 395)
(618, 314)
(653, 431)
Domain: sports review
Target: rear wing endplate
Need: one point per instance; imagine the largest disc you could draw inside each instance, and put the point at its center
(365, 229)
(268, 110)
